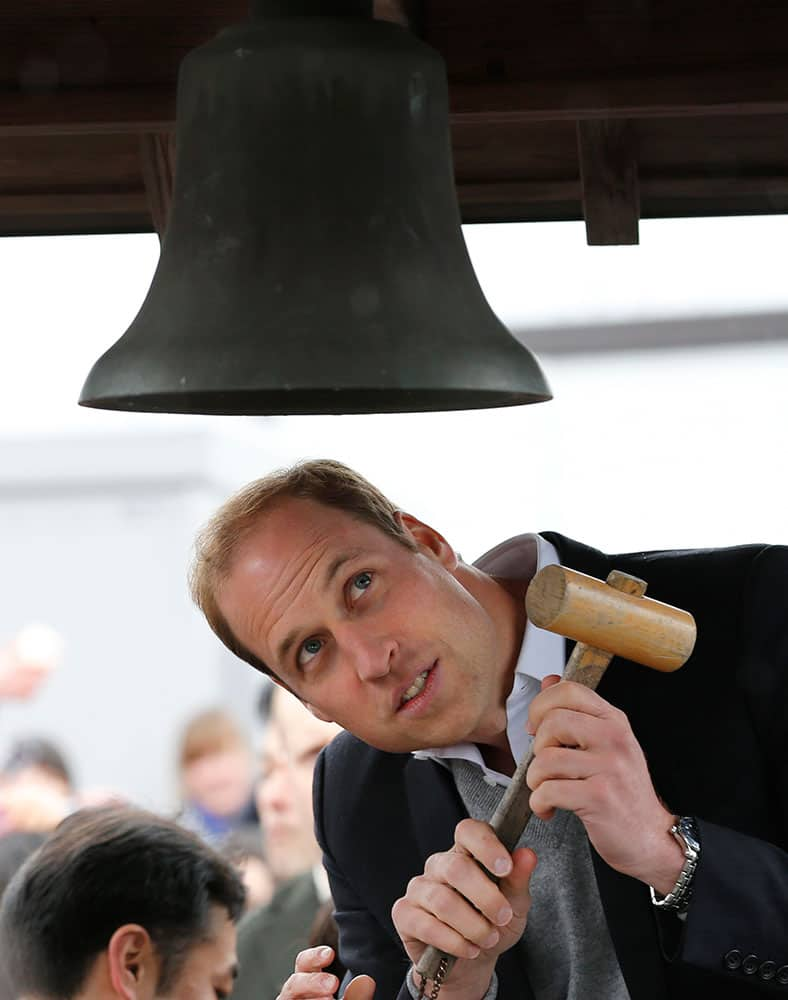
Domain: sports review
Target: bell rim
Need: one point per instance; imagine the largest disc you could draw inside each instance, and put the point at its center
(311, 402)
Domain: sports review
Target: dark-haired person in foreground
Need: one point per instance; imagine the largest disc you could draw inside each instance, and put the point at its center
(119, 904)
(655, 863)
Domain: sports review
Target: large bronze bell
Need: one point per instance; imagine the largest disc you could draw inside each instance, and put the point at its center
(314, 260)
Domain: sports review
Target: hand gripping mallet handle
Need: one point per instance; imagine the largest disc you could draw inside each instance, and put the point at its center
(606, 620)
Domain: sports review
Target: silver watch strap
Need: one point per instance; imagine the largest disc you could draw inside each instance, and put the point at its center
(685, 831)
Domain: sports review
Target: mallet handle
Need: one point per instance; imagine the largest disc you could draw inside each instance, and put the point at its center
(585, 666)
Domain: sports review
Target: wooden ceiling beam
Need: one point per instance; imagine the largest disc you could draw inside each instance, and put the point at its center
(667, 94)
(133, 110)
(56, 203)
(151, 109)
(607, 153)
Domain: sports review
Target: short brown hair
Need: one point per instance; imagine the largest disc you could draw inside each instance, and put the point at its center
(323, 480)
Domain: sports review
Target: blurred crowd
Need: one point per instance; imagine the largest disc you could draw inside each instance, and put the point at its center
(251, 804)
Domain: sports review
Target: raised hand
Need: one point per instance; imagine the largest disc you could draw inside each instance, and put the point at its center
(310, 982)
(588, 761)
(458, 909)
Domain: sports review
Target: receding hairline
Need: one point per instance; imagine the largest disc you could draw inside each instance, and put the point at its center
(256, 522)
(325, 482)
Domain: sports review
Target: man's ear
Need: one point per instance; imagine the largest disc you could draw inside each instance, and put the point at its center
(317, 713)
(428, 539)
(133, 964)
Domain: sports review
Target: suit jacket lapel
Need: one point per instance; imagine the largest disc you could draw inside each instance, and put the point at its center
(625, 901)
(435, 806)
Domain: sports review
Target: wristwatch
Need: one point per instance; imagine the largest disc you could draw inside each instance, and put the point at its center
(685, 830)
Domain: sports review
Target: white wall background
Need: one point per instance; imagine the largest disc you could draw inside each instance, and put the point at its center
(638, 449)
(95, 540)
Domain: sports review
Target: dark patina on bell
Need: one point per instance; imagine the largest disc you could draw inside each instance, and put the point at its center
(314, 260)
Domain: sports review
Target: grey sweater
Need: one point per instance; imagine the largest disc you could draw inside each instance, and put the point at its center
(566, 944)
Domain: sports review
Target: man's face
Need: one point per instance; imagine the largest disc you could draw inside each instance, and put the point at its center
(293, 740)
(403, 648)
(220, 781)
(210, 968)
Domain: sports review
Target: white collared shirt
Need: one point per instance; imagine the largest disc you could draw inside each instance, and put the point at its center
(320, 878)
(541, 653)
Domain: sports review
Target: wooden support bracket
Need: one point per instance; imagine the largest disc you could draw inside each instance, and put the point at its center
(157, 154)
(607, 153)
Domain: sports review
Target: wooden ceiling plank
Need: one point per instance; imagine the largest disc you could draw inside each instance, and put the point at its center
(65, 203)
(524, 192)
(669, 94)
(607, 153)
(733, 186)
(135, 110)
(145, 109)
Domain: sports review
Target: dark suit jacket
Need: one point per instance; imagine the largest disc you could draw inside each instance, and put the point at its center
(714, 733)
(270, 938)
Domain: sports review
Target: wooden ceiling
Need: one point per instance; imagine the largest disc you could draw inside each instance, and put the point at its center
(602, 110)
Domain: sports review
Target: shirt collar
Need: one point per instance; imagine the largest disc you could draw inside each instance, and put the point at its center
(507, 560)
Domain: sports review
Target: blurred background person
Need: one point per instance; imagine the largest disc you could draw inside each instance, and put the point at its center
(38, 790)
(244, 848)
(36, 760)
(27, 660)
(216, 774)
(36, 786)
(299, 913)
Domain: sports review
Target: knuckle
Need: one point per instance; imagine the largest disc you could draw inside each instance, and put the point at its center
(433, 865)
(413, 885)
(602, 790)
(619, 716)
(619, 741)
(438, 898)
(455, 866)
(466, 829)
(617, 765)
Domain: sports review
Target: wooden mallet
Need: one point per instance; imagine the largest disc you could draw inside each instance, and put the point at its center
(606, 619)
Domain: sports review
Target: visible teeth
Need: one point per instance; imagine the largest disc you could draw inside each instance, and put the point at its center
(416, 686)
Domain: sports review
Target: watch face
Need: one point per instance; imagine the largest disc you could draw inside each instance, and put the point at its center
(688, 829)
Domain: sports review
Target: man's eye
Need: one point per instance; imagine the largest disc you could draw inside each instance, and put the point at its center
(309, 648)
(360, 583)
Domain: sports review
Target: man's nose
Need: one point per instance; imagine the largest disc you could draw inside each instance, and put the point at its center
(275, 787)
(371, 656)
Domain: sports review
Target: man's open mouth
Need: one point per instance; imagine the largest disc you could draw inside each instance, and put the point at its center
(417, 686)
